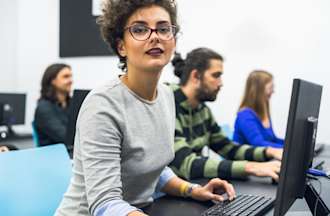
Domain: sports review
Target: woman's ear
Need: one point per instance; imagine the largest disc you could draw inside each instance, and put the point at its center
(121, 48)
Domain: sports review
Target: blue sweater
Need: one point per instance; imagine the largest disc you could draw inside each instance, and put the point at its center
(249, 130)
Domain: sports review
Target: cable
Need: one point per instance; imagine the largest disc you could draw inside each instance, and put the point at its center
(316, 172)
(319, 166)
(318, 197)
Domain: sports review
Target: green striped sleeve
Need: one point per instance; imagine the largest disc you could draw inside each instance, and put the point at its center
(225, 150)
(185, 168)
(247, 152)
(178, 126)
(211, 168)
(238, 169)
(259, 154)
(240, 154)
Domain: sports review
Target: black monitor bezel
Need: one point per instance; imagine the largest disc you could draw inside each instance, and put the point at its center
(74, 107)
(290, 189)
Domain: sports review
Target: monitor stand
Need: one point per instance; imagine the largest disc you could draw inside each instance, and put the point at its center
(311, 196)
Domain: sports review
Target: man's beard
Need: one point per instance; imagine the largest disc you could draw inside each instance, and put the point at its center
(204, 94)
(65, 90)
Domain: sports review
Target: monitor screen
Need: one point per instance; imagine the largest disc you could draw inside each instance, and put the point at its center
(299, 143)
(75, 104)
(12, 111)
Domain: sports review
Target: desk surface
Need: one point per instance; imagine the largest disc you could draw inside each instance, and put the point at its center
(175, 206)
(22, 143)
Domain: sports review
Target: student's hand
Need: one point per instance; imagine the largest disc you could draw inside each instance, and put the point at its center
(275, 153)
(136, 213)
(3, 148)
(271, 169)
(213, 190)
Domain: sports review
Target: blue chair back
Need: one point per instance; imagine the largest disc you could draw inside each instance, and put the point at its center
(33, 181)
(35, 136)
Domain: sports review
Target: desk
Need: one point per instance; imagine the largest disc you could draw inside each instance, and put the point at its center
(21, 143)
(174, 206)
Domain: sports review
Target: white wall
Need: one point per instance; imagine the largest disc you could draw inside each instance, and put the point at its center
(8, 38)
(287, 38)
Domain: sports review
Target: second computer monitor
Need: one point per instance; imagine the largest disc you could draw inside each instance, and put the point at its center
(299, 143)
(75, 104)
(12, 109)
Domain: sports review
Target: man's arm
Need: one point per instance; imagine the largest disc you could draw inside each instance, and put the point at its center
(232, 151)
(189, 165)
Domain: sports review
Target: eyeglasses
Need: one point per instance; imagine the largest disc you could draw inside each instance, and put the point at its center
(142, 32)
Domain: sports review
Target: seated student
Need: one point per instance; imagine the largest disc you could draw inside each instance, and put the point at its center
(51, 114)
(200, 81)
(125, 129)
(253, 124)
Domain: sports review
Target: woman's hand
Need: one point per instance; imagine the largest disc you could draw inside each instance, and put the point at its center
(213, 190)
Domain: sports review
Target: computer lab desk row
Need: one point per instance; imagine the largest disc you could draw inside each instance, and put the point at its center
(174, 206)
(21, 143)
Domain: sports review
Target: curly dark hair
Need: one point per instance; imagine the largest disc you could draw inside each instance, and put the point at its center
(198, 59)
(115, 14)
(48, 91)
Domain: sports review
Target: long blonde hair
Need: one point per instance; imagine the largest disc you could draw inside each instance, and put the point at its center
(254, 95)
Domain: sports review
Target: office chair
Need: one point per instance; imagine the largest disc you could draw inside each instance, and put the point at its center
(33, 181)
(35, 136)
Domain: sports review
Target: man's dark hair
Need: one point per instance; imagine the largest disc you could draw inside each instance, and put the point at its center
(116, 13)
(197, 59)
(48, 91)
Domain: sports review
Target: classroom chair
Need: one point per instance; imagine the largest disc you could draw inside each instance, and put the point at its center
(33, 181)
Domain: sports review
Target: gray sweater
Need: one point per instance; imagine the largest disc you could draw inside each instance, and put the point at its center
(122, 144)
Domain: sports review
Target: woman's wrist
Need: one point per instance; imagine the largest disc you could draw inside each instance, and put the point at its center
(191, 191)
(186, 189)
(183, 189)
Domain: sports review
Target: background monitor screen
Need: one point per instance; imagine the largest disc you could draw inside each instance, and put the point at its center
(12, 111)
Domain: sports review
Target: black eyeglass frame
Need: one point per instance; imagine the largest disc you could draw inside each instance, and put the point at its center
(173, 28)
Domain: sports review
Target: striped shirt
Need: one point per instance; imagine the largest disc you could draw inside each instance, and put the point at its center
(196, 128)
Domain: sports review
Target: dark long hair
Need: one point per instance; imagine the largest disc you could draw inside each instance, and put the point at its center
(48, 91)
(254, 94)
(198, 59)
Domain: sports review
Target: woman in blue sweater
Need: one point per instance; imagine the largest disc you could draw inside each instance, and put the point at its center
(253, 123)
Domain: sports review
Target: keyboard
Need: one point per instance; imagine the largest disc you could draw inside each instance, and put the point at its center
(242, 205)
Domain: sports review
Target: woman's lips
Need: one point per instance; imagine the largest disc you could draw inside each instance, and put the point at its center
(155, 51)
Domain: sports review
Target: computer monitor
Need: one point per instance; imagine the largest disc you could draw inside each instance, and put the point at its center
(74, 107)
(12, 110)
(299, 149)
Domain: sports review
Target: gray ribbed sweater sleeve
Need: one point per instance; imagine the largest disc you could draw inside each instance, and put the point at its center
(115, 207)
(100, 141)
